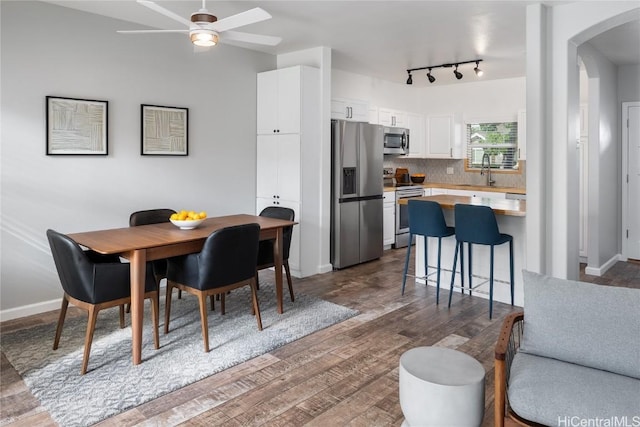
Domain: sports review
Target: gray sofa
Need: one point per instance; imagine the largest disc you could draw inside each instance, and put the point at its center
(572, 357)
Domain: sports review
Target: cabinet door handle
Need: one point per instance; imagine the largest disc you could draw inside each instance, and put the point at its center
(518, 153)
(450, 152)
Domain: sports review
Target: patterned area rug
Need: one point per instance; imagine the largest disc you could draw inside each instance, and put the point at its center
(113, 385)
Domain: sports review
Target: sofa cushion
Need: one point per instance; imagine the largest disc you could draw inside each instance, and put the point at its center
(555, 393)
(591, 325)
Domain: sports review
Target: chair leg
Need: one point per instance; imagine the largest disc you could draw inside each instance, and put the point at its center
(469, 245)
(222, 306)
(491, 284)
(287, 271)
(121, 316)
(438, 271)
(212, 302)
(453, 272)
(63, 314)
(179, 293)
(426, 261)
(462, 267)
(406, 264)
(167, 306)
(256, 305)
(128, 309)
(91, 326)
(511, 267)
(257, 281)
(202, 299)
(155, 314)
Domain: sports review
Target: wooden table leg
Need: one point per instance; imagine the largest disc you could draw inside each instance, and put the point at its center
(277, 258)
(138, 269)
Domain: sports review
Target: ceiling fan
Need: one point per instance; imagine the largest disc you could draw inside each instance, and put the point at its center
(205, 29)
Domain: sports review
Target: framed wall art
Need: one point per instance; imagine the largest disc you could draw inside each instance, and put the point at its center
(164, 131)
(76, 126)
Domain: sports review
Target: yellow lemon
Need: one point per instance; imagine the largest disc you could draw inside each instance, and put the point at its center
(174, 216)
(203, 214)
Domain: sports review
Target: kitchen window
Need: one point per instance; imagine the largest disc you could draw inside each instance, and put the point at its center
(498, 140)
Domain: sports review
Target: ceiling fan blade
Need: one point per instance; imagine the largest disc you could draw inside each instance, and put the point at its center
(251, 38)
(151, 5)
(244, 18)
(150, 31)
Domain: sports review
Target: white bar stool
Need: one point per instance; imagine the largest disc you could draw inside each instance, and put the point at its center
(441, 387)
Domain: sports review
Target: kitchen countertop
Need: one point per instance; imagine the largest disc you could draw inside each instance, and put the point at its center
(469, 187)
(500, 206)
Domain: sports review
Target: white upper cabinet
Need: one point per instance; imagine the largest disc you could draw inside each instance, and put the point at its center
(522, 135)
(278, 101)
(416, 124)
(440, 137)
(394, 118)
(373, 115)
(350, 109)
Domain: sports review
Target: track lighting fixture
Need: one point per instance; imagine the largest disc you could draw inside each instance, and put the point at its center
(457, 73)
(478, 71)
(430, 76)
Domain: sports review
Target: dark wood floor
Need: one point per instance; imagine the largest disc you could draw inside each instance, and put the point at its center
(343, 375)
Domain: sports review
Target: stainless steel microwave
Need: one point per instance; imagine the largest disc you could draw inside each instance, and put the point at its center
(396, 141)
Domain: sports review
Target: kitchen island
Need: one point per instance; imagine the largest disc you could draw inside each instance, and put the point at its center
(510, 215)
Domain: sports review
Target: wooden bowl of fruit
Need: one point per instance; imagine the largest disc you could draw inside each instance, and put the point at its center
(417, 178)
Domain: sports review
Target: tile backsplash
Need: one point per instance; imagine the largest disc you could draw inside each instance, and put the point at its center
(436, 171)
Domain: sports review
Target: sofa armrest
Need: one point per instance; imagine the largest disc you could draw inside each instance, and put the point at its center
(506, 347)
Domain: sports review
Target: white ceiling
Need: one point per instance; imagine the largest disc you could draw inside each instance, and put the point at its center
(382, 38)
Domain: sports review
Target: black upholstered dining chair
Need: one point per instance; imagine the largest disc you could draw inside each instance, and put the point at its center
(227, 261)
(153, 216)
(265, 251)
(92, 282)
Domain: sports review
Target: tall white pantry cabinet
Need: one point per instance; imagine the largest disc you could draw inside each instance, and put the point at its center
(288, 152)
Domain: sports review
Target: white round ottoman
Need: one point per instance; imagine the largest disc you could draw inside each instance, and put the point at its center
(441, 387)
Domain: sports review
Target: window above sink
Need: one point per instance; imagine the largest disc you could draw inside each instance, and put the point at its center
(498, 140)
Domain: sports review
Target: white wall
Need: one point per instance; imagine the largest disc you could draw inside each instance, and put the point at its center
(553, 34)
(473, 99)
(628, 83)
(604, 159)
(52, 55)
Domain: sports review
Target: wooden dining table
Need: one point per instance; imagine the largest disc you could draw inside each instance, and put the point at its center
(158, 241)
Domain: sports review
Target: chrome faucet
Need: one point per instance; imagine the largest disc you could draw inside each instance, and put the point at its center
(490, 182)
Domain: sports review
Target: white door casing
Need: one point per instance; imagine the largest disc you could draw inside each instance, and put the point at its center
(631, 180)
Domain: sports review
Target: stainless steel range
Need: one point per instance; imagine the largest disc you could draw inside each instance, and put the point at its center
(402, 213)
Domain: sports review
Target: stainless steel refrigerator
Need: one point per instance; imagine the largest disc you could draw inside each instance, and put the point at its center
(356, 192)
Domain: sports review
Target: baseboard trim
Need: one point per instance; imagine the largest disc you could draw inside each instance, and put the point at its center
(325, 268)
(599, 271)
(30, 309)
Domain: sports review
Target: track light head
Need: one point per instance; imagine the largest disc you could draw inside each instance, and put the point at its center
(478, 71)
(430, 77)
(457, 73)
(409, 79)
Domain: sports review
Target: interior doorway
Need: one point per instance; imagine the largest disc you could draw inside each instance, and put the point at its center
(631, 180)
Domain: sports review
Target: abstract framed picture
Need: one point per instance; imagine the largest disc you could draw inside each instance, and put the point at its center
(165, 131)
(76, 126)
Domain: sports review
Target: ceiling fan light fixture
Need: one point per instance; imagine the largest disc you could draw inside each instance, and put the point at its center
(204, 38)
